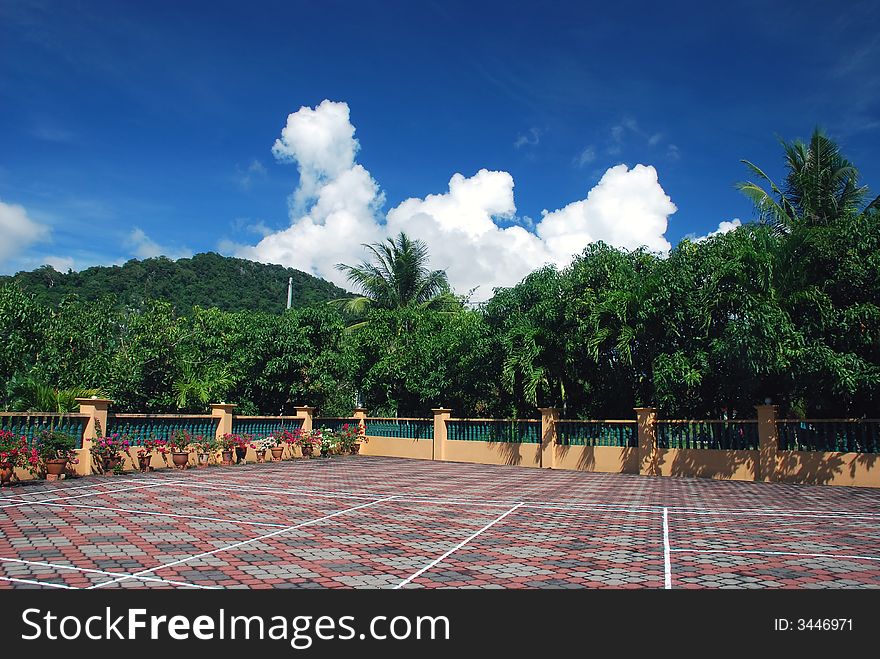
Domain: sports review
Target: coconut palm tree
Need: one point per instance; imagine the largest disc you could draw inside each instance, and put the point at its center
(396, 278)
(820, 187)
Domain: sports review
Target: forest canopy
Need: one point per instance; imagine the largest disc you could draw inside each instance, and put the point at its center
(784, 308)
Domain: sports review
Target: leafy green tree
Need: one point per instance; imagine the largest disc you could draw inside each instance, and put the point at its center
(408, 361)
(79, 343)
(206, 280)
(144, 367)
(22, 324)
(825, 276)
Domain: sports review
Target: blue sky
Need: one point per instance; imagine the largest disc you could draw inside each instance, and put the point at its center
(153, 123)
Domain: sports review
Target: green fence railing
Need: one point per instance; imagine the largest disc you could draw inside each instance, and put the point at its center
(263, 426)
(597, 433)
(740, 435)
(31, 425)
(333, 423)
(525, 431)
(141, 427)
(836, 435)
(403, 428)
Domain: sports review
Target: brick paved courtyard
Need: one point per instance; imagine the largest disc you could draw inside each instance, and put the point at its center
(353, 522)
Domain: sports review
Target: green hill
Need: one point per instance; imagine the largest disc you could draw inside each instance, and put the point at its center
(206, 280)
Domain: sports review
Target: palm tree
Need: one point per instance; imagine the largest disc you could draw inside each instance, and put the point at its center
(29, 394)
(397, 278)
(197, 386)
(820, 187)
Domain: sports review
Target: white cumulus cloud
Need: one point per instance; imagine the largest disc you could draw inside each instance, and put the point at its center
(322, 144)
(18, 231)
(723, 227)
(144, 247)
(336, 207)
(627, 208)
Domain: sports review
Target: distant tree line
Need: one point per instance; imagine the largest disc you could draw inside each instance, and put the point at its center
(784, 308)
(206, 280)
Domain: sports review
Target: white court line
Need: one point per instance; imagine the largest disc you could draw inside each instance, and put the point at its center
(242, 542)
(424, 498)
(667, 560)
(39, 583)
(560, 504)
(774, 553)
(348, 495)
(267, 490)
(161, 514)
(646, 509)
(704, 512)
(758, 512)
(94, 571)
(416, 498)
(456, 548)
(79, 496)
(50, 490)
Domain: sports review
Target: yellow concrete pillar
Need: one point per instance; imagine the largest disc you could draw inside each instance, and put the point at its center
(306, 414)
(360, 414)
(223, 412)
(647, 424)
(96, 409)
(549, 417)
(441, 416)
(768, 443)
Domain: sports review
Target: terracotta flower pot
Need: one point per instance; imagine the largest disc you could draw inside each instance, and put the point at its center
(355, 449)
(55, 468)
(277, 452)
(227, 457)
(109, 464)
(144, 462)
(204, 460)
(261, 456)
(306, 450)
(6, 473)
(180, 459)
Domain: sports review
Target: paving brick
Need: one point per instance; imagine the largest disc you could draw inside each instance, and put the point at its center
(585, 531)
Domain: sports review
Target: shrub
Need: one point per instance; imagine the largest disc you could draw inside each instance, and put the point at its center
(180, 441)
(349, 435)
(15, 452)
(110, 447)
(55, 445)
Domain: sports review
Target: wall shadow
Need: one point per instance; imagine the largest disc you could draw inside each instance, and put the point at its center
(709, 463)
(821, 468)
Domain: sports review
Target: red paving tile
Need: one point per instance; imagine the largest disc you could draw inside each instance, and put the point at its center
(321, 524)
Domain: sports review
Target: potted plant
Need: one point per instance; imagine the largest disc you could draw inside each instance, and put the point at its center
(242, 443)
(178, 444)
(327, 441)
(15, 452)
(146, 451)
(227, 448)
(204, 447)
(107, 451)
(55, 450)
(350, 438)
(306, 440)
(275, 443)
(292, 439)
(261, 445)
